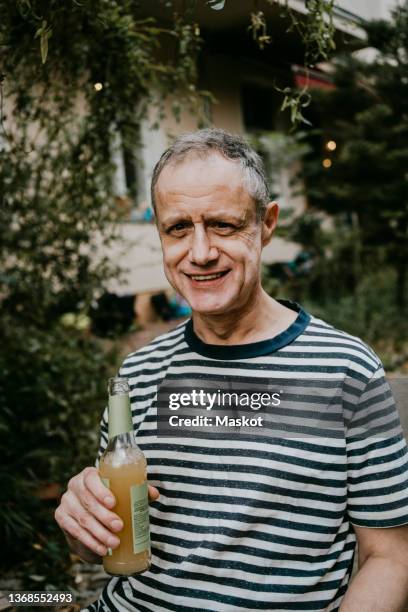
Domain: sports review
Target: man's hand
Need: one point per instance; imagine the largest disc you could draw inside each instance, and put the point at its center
(85, 515)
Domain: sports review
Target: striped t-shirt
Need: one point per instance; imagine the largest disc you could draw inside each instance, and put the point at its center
(249, 522)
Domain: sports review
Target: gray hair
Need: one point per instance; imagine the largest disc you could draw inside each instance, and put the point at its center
(232, 147)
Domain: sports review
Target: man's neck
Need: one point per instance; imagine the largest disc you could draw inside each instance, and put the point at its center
(261, 319)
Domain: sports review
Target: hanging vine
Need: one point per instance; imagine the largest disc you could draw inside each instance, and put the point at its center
(316, 30)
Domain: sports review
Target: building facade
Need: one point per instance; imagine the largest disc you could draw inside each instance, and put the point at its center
(243, 80)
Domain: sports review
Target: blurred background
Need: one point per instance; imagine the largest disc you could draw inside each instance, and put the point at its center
(91, 94)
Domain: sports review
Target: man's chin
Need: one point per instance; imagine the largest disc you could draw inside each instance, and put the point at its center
(208, 308)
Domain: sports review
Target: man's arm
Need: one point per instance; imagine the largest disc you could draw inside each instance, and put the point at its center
(381, 583)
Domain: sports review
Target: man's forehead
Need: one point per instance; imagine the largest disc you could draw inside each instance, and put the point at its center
(200, 186)
(210, 166)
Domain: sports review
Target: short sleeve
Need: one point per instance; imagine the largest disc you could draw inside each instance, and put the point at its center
(377, 458)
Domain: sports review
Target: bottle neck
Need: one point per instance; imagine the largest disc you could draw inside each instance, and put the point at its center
(120, 415)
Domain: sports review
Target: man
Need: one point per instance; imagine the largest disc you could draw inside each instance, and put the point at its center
(247, 521)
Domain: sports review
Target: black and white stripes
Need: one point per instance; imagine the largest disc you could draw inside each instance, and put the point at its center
(256, 523)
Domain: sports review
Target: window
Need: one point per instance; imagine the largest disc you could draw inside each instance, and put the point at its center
(260, 106)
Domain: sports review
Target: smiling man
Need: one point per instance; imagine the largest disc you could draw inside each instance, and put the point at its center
(251, 521)
(212, 236)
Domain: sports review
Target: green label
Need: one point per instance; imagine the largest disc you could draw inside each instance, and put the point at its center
(106, 482)
(139, 508)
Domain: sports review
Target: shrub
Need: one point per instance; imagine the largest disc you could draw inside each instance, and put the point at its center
(53, 388)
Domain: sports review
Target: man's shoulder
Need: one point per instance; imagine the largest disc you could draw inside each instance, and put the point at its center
(322, 333)
(156, 350)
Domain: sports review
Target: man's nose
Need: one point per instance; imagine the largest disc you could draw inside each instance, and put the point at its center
(201, 250)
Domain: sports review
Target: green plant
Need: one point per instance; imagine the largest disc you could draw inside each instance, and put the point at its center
(74, 74)
(317, 30)
(354, 232)
(351, 293)
(53, 389)
(366, 116)
(279, 152)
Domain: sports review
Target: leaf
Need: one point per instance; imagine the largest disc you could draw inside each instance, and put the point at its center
(216, 5)
(44, 48)
(36, 577)
(44, 33)
(39, 31)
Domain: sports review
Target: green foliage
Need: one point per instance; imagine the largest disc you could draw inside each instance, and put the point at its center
(358, 243)
(296, 101)
(105, 42)
(339, 287)
(55, 170)
(57, 213)
(369, 312)
(316, 31)
(279, 152)
(258, 28)
(52, 392)
(367, 116)
(44, 32)
(216, 5)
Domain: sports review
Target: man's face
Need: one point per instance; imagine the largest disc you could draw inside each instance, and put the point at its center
(210, 237)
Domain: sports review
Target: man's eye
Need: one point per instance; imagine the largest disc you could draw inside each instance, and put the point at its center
(177, 227)
(223, 225)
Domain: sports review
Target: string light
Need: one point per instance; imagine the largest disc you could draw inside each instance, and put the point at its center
(331, 145)
(327, 163)
(98, 86)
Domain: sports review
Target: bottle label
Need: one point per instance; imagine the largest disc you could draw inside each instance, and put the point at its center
(106, 482)
(139, 508)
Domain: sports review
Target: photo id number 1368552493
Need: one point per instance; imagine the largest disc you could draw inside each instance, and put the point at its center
(38, 598)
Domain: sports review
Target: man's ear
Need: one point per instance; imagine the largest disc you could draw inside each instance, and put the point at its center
(269, 222)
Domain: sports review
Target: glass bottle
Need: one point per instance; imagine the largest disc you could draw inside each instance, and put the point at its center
(122, 469)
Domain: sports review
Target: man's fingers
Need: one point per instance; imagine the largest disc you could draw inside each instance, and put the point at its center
(92, 481)
(70, 526)
(85, 501)
(84, 515)
(153, 493)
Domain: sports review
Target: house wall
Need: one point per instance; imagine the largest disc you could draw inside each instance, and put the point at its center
(368, 9)
(226, 111)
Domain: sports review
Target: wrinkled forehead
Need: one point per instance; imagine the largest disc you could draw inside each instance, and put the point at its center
(201, 170)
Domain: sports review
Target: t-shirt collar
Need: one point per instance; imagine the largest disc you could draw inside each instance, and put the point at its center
(253, 349)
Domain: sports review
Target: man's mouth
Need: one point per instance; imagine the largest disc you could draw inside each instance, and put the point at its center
(208, 277)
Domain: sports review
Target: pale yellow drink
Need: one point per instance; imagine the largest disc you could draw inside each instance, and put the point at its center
(122, 468)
